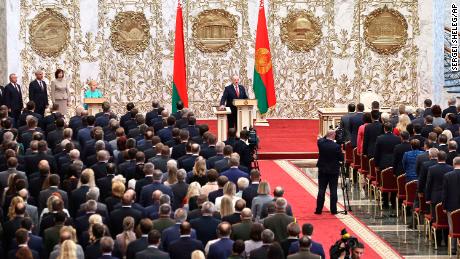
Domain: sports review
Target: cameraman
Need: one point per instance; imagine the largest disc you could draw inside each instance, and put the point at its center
(330, 158)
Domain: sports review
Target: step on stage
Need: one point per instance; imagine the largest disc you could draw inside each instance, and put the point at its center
(284, 139)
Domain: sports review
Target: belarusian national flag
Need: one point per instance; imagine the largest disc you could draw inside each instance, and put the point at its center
(264, 87)
(179, 89)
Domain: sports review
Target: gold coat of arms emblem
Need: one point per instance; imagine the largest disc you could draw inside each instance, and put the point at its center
(130, 33)
(49, 33)
(301, 31)
(385, 31)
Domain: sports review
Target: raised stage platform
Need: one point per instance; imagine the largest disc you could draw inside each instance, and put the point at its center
(284, 139)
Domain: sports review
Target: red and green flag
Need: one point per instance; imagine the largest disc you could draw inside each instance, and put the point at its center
(179, 88)
(264, 87)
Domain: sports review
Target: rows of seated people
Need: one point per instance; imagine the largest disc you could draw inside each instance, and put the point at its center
(140, 186)
(423, 146)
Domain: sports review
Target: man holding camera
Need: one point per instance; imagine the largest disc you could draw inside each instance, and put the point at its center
(330, 158)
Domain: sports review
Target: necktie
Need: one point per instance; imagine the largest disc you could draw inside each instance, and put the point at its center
(16, 86)
(237, 91)
(40, 83)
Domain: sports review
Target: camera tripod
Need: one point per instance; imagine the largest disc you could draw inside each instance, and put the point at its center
(345, 190)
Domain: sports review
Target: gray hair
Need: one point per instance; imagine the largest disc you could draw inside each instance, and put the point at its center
(181, 175)
(165, 209)
(149, 168)
(74, 154)
(242, 183)
(452, 100)
(180, 215)
(99, 145)
(165, 199)
(280, 203)
(433, 152)
(92, 194)
(8, 136)
(171, 164)
(91, 205)
(220, 147)
(157, 175)
(267, 236)
(207, 208)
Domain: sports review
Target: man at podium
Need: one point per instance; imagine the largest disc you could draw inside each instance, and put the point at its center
(231, 92)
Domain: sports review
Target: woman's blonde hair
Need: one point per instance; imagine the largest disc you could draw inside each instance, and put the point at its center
(264, 188)
(229, 189)
(172, 175)
(194, 189)
(68, 250)
(403, 121)
(11, 210)
(448, 134)
(199, 169)
(93, 220)
(128, 225)
(226, 206)
(118, 189)
(71, 231)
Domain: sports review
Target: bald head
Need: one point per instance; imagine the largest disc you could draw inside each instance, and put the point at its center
(185, 228)
(246, 214)
(224, 229)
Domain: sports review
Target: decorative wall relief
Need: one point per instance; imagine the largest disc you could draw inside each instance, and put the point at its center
(301, 31)
(385, 31)
(130, 33)
(215, 31)
(49, 33)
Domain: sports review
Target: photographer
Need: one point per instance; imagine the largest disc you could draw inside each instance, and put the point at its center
(330, 158)
(347, 247)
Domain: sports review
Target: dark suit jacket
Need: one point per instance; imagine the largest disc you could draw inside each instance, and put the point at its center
(345, 124)
(245, 153)
(220, 249)
(278, 224)
(433, 189)
(165, 134)
(25, 113)
(330, 156)
(78, 197)
(213, 195)
(355, 121)
(450, 109)
(34, 243)
(38, 95)
(384, 150)
(451, 192)
(187, 163)
(450, 157)
(178, 150)
(180, 191)
(233, 218)
(398, 153)
(424, 173)
(13, 99)
(146, 193)
(45, 194)
(233, 174)
(210, 162)
(55, 137)
(117, 216)
(249, 193)
(371, 132)
(427, 112)
(12, 253)
(205, 227)
(160, 162)
(105, 186)
(151, 252)
(242, 230)
(93, 251)
(208, 152)
(259, 253)
(183, 247)
(230, 94)
(426, 130)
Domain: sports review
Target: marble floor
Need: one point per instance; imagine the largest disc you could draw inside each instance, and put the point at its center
(408, 242)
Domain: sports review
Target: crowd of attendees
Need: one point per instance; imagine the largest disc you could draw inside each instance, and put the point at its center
(139, 186)
(423, 145)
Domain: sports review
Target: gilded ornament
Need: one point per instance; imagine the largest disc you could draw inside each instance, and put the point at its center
(301, 31)
(263, 61)
(215, 30)
(49, 33)
(130, 33)
(385, 31)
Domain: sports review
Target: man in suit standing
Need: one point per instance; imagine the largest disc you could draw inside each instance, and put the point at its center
(399, 151)
(433, 188)
(305, 244)
(251, 191)
(152, 250)
(452, 152)
(38, 93)
(221, 247)
(452, 107)
(231, 92)
(12, 98)
(330, 157)
(371, 132)
(267, 237)
(384, 147)
(206, 224)
(345, 121)
(233, 173)
(451, 196)
(354, 122)
(107, 245)
(185, 244)
(427, 103)
(279, 221)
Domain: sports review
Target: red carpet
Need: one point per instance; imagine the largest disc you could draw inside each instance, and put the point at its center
(284, 139)
(327, 226)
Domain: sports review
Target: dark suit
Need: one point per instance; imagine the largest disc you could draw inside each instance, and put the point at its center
(260, 253)
(398, 154)
(188, 162)
(171, 234)
(151, 252)
(427, 112)
(227, 99)
(233, 174)
(242, 230)
(345, 124)
(78, 197)
(330, 156)
(422, 177)
(183, 247)
(208, 152)
(221, 249)
(12, 253)
(451, 109)
(433, 189)
(146, 193)
(371, 132)
(354, 122)
(93, 251)
(38, 94)
(105, 185)
(160, 162)
(205, 227)
(180, 191)
(233, 218)
(384, 147)
(451, 192)
(55, 137)
(426, 130)
(278, 224)
(165, 134)
(210, 162)
(249, 193)
(45, 194)
(245, 153)
(12, 98)
(178, 150)
(117, 216)
(450, 157)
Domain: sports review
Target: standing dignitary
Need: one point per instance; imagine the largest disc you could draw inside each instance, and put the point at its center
(330, 157)
(13, 98)
(231, 92)
(38, 93)
(60, 91)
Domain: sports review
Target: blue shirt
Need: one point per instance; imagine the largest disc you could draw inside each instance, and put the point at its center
(409, 163)
(92, 94)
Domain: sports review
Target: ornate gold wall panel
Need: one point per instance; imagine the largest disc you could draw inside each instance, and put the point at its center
(332, 73)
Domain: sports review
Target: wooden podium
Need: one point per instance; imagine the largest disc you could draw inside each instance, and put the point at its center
(245, 109)
(221, 122)
(94, 105)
